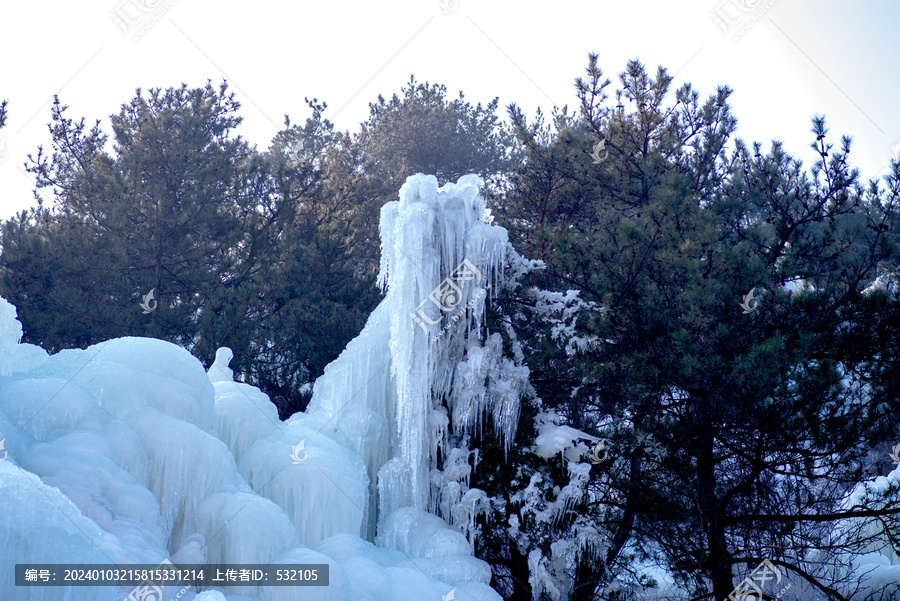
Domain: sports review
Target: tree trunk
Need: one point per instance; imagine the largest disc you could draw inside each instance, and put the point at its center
(518, 569)
(586, 580)
(719, 561)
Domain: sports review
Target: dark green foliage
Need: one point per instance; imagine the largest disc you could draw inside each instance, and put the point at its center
(165, 212)
(423, 132)
(666, 235)
(258, 252)
(320, 282)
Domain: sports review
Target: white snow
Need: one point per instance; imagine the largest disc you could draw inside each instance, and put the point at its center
(797, 285)
(554, 438)
(889, 283)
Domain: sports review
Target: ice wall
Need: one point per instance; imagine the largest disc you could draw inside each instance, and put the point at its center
(130, 452)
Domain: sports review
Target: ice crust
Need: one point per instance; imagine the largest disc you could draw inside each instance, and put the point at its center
(130, 452)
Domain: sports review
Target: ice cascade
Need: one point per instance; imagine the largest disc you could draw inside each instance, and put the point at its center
(130, 452)
(420, 363)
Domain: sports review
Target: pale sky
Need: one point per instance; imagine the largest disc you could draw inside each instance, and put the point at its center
(790, 60)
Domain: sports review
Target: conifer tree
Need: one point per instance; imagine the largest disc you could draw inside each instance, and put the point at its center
(728, 339)
(149, 239)
(424, 132)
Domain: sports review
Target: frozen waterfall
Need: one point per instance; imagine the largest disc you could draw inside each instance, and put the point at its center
(129, 452)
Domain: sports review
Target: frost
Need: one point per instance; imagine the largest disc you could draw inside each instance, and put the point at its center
(889, 283)
(561, 312)
(487, 383)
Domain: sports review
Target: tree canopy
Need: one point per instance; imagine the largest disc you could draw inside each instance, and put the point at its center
(736, 434)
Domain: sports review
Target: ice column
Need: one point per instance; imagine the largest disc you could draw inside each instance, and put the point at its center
(437, 260)
(383, 395)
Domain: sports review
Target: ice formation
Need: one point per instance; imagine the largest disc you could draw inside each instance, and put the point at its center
(130, 452)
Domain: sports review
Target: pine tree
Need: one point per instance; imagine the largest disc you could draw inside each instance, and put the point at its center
(717, 416)
(319, 285)
(424, 132)
(167, 212)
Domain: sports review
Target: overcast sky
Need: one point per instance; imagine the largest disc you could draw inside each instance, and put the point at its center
(786, 60)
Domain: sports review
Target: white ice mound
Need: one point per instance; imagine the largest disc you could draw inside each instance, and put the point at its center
(41, 524)
(14, 356)
(130, 452)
